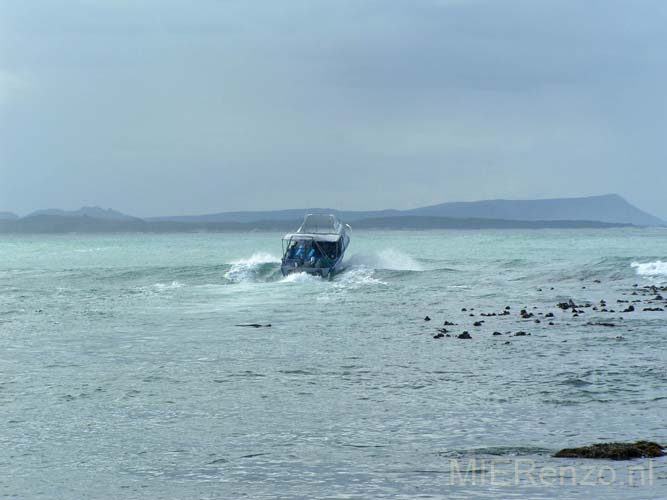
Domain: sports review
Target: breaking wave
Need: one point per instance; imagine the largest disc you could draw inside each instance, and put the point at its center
(355, 277)
(652, 269)
(259, 266)
(389, 259)
(358, 270)
(301, 278)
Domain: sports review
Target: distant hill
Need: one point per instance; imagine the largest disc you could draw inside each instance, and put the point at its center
(607, 208)
(85, 224)
(8, 216)
(591, 212)
(610, 208)
(93, 212)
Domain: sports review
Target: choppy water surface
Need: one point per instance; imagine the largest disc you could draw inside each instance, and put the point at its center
(124, 375)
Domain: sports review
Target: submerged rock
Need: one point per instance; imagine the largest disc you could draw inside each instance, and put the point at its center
(256, 325)
(601, 323)
(614, 451)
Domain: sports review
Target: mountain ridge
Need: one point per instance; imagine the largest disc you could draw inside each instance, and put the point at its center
(94, 212)
(611, 208)
(55, 224)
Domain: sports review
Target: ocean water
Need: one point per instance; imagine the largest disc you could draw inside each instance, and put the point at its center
(124, 375)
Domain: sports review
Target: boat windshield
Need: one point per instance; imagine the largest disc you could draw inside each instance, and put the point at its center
(311, 253)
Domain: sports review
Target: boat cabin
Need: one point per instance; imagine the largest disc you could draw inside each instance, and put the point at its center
(316, 247)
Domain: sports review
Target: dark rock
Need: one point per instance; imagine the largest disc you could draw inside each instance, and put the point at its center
(537, 321)
(427, 318)
(478, 323)
(549, 315)
(601, 324)
(596, 281)
(438, 335)
(442, 330)
(463, 309)
(497, 333)
(464, 335)
(551, 323)
(255, 325)
(525, 314)
(448, 323)
(567, 305)
(628, 309)
(655, 309)
(614, 451)
(507, 342)
(521, 334)
(507, 308)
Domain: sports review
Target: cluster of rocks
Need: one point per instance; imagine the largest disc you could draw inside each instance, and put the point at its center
(654, 301)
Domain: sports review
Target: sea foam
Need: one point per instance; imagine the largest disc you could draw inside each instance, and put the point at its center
(246, 269)
(657, 268)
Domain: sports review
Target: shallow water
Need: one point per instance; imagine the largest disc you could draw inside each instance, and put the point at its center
(124, 375)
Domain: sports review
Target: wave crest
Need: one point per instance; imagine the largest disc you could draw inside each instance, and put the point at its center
(388, 259)
(657, 268)
(259, 265)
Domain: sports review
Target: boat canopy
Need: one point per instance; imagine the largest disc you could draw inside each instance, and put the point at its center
(320, 224)
(312, 236)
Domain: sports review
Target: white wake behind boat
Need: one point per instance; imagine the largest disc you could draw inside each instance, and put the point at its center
(317, 247)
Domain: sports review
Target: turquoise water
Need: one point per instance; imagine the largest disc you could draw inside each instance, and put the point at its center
(124, 375)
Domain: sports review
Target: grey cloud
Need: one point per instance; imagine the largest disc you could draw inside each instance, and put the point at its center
(164, 107)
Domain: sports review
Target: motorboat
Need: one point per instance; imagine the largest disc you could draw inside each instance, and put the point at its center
(317, 247)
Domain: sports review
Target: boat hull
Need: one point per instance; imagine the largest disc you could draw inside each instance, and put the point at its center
(324, 272)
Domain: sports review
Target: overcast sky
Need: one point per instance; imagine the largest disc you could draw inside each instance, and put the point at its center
(158, 107)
